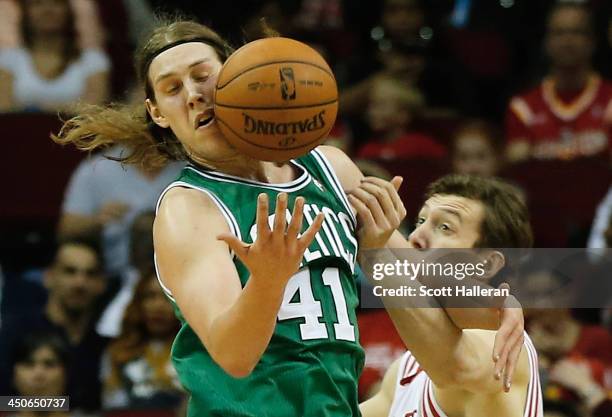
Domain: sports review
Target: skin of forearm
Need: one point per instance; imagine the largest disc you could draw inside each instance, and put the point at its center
(421, 323)
(239, 336)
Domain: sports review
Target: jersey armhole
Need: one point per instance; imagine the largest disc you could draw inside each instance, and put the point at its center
(329, 172)
(227, 215)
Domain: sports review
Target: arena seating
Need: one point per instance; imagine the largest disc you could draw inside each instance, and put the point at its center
(35, 172)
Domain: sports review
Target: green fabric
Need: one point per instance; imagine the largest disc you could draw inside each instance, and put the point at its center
(314, 360)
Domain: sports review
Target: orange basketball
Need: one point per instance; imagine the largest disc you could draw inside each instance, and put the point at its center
(276, 99)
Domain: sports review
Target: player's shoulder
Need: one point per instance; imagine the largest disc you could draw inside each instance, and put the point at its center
(348, 173)
(179, 201)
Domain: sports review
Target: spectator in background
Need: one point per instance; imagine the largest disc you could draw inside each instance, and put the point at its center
(138, 372)
(392, 108)
(104, 197)
(578, 377)
(41, 362)
(141, 264)
(399, 50)
(74, 282)
(56, 59)
(566, 346)
(476, 149)
(569, 114)
(560, 409)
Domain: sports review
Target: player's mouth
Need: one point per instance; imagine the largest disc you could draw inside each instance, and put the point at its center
(204, 120)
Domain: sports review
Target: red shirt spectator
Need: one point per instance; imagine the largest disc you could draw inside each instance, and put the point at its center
(392, 107)
(568, 116)
(566, 126)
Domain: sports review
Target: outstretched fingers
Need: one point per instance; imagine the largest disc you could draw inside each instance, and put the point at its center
(263, 228)
(295, 226)
(306, 239)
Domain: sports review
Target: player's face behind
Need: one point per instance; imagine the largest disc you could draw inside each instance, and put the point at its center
(75, 279)
(183, 80)
(569, 38)
(45, 17)
(447, 221)
(42, 373)
(157, 312)
(463, 211)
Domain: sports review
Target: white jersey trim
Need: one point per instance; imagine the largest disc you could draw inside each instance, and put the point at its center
(227, 214)
(297, 184)
(335, 182)
(429, 406)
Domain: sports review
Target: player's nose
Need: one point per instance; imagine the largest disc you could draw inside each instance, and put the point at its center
(196, 96)
(418, 238)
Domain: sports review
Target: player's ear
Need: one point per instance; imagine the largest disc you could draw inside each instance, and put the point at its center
(159, 119)
(493, 263)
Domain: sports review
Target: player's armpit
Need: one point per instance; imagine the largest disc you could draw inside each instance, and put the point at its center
(380, 404)
(475, 371)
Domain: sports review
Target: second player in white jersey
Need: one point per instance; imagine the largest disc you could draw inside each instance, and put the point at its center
(414, 394)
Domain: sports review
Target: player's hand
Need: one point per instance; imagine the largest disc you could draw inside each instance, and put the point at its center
(112, 211)
(508, 339)
(379, 209)
(276, 253)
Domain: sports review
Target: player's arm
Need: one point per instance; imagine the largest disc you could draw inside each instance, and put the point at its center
(235, 324)
(477, 371)
(433, 325)
(380, 404)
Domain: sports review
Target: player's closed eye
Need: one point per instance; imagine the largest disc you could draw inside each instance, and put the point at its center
(172, 88)
(202, 77)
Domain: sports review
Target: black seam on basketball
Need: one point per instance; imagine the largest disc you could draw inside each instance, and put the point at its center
(306, 106)
(269, 147)
(219, 87)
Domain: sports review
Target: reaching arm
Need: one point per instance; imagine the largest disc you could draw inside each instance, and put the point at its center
(191, 240)
(431, 326)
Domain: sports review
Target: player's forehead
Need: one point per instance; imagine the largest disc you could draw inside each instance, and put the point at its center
(180, 58)
(462, 208)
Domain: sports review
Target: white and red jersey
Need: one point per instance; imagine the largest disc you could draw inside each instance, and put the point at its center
(414, 393)
(578, 126)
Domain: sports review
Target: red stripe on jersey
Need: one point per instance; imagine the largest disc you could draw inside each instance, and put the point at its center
(407, 367)
(535, 389)
(428, 389)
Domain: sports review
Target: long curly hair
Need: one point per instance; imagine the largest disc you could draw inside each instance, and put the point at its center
(151, 146)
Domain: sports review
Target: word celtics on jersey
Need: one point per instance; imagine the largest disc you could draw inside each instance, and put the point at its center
(314, 359)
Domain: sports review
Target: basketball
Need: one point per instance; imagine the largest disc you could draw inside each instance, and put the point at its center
(275, 99)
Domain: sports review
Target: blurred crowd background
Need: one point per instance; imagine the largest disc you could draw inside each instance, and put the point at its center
(513, 88)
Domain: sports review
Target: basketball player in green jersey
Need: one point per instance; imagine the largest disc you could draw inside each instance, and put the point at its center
(268, 309)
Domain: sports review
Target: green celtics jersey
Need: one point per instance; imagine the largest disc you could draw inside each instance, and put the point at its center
(314, 359)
